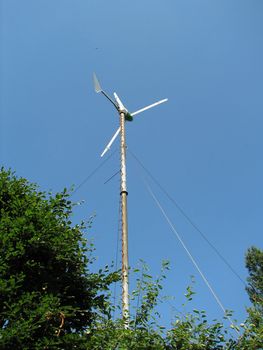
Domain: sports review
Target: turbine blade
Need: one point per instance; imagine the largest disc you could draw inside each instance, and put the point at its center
(119, 103)
(148, 107)
(111, 142)
(97, 86)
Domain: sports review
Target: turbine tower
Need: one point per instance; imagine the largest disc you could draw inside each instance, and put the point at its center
(124, 116)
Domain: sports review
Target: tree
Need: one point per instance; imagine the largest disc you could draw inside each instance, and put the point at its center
(254, 264)
(48, 297)
(190, 331)
(254, 324)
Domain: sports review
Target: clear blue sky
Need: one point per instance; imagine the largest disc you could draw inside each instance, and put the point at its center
(204, 146)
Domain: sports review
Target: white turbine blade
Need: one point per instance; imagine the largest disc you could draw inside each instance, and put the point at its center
(119, 103)
(148, 107)
(97, 86)
(111, 142)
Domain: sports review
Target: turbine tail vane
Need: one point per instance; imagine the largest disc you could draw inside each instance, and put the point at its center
(96, 82)
(98, 89)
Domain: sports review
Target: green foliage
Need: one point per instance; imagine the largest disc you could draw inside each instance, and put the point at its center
(192, 330)
(113, 335)
(147, 293)
(49, 298)
(253, 328)
(46, 290)
(189, 331)
(254, 264)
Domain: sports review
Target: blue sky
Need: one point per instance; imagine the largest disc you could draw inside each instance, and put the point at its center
(204, 146)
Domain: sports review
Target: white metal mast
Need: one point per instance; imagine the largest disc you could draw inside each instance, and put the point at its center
(124, 221)
(124, 115)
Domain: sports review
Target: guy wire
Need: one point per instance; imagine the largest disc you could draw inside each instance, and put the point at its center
(189, 254)
(191, 222)
(93, 172)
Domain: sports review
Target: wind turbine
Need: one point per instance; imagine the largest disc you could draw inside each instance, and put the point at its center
(124, 115)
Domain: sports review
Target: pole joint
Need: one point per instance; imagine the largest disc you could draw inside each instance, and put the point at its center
(126, 192)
